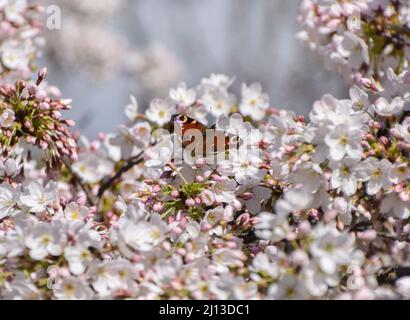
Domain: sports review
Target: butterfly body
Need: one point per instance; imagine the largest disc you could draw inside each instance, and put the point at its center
(184, 124)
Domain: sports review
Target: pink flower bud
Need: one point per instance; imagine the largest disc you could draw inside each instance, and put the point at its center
(43, 145)
(190, 202)
(42, 74)
(304, 228)
(28, 124)
(174, 194)
(56, 115)
(368, 235)
(200, 162)
(399, 188)
(41, 95)
(376, 125)
(158, 207)
(101, 135)
(384, 140)
(74, 155)
(31, 139)
(44, 106)
(71, 123)
(82, 200)
(247, 196)
(236, 204)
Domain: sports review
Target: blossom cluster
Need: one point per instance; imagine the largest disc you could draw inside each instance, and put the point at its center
(314, 208)
(358, 38)
(30, 114)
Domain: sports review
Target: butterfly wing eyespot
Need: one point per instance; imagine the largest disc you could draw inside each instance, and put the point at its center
(182, 118)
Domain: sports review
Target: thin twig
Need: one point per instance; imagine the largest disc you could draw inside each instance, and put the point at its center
(127, 166)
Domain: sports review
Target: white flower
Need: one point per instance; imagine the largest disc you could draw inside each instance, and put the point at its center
(223, 190)
(254, 101)
(142, 235)
(207, 197)
(355, 49)
(36, 198)
(318, 281)
(10, 168)
(384, 108)
(20, 288)
(8, 201)
(74, 212)
(392, 204)
(230, 287)
(332, 249)
(183, 95)
(72, 288)
(128, 141)
(225, 258)
(218, 102)
(7, 118)
(216, 81)
(343, 141)
(359, 97)
(308, 177)
(403, 287)
(78, 257)
(288, 288)
(45, 239)
(273, 227)
(344, 176)
(254, 197)
(293, 201)
(14, 10)
(142, 132)
(375, 173)
(160, 154)
(92, 167)
(403, 129)
(15, 55)
(159, 112)
(131, 110)
(262, 264)
(109, 277)
(213, 216)
(399, 172)
(246, 168)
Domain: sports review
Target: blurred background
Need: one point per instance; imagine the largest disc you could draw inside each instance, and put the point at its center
(109, 49)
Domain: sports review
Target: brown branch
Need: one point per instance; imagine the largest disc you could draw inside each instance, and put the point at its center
(127, 166)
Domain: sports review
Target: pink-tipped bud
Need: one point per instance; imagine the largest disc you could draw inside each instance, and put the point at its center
(174, 194)
(70, 123)
(31, 139)
(158, 207)
(44, 106)
(190, 202)
(101, 135)
(43, 145)
(41, 95)
(42, 74)
(383, 140)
